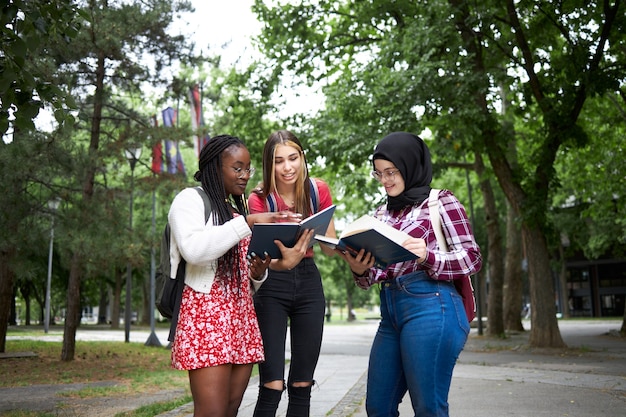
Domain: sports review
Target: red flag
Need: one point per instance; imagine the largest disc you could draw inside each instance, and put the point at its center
(157, 152)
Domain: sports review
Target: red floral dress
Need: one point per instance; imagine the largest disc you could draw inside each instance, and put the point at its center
(220, 327)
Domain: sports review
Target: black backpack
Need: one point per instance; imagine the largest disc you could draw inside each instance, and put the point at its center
(170, 291)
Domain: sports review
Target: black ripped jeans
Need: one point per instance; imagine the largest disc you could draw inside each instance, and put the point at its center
(293, 299)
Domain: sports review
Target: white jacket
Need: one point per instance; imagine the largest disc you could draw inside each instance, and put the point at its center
(200, 244)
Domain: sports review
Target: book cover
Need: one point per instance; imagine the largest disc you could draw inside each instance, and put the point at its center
(383, 241)
(264, 234)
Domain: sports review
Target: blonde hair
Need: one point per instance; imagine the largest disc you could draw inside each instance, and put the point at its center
(302, 191)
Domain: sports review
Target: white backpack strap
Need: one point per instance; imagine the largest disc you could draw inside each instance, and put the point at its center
(435, 218)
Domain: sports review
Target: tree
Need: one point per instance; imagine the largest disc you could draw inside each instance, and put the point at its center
(112, 50)
(23, 91)
(384, 64)
(117, 52)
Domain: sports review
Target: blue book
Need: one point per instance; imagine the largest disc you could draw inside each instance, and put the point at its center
(381, 240)
(264, 234)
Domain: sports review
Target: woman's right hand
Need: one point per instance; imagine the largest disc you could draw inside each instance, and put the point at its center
(360, 262)
(273, 217)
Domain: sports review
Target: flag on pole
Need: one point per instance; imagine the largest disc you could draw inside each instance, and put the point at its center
(197, 119)
(173, 158)
(157, 152)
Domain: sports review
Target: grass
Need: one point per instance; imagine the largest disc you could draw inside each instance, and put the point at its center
(134, 365)
(155, 409)
(137, 369)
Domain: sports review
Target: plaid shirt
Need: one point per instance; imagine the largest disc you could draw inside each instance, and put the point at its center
(463, 257)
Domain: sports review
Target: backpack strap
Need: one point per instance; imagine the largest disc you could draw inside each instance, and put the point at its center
(271, 202)
(315, 196)
(207, 203)
(435, 218)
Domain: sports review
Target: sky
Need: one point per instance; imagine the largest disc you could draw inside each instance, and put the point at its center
(226, 27)
(217, 22)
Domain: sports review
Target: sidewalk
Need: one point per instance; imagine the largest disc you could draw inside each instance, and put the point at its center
(492, 377)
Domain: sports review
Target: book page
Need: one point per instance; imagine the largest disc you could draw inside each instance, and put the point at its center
(319, 221)
(367, 222)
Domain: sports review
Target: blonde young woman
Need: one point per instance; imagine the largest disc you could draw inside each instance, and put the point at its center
(294, 296)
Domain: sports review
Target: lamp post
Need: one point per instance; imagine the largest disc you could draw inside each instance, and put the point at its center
(153, 339)
(53, 205)
(132, 154)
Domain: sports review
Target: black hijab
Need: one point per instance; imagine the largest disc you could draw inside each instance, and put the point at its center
(410, 155)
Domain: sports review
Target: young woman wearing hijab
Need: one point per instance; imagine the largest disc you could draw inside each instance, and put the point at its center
(423, 325)
(217, 337)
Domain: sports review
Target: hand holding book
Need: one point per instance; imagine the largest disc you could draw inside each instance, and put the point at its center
(273, 217)
(264, 235)
(379, 239)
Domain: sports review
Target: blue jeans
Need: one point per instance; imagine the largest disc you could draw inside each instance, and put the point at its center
(421, 334)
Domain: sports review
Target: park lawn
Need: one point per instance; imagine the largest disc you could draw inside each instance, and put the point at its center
(133, 365)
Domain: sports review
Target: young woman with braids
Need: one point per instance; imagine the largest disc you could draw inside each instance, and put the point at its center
(217, 338)
(292, 298)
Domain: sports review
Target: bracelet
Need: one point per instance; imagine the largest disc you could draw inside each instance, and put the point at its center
(359, 275)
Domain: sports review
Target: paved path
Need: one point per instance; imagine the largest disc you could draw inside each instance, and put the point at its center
(493, 376)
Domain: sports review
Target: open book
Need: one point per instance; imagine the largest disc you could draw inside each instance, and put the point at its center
(383, 241)
(264, 234)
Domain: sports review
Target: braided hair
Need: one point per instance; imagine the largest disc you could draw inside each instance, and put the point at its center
(209, 174)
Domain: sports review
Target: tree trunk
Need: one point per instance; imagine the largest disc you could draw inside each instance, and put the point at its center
(7, 277)
(13, 315)
(564, 293)
(103, 302)
(72, 319)
(544, 330)
(72, 315)
(513, 277)
(117, 299)
(350, 287)
(25, 290)
(495, 325)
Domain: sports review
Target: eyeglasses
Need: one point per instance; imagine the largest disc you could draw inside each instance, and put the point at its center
(388, 174)
(243, 172)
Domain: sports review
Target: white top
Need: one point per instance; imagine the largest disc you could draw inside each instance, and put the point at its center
(200, 244)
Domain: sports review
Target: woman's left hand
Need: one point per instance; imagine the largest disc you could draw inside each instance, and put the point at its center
(258, 266)
(416, 246)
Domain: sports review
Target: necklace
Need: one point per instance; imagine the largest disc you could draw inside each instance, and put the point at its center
(290, 202)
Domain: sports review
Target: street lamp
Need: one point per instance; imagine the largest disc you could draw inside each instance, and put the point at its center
(153, 339)
(132, 154)
(53, 205)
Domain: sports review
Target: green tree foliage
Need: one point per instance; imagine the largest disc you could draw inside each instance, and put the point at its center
(590, 206)
(24, 87)
(401, 65)
(116, 57)
(124, 47)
